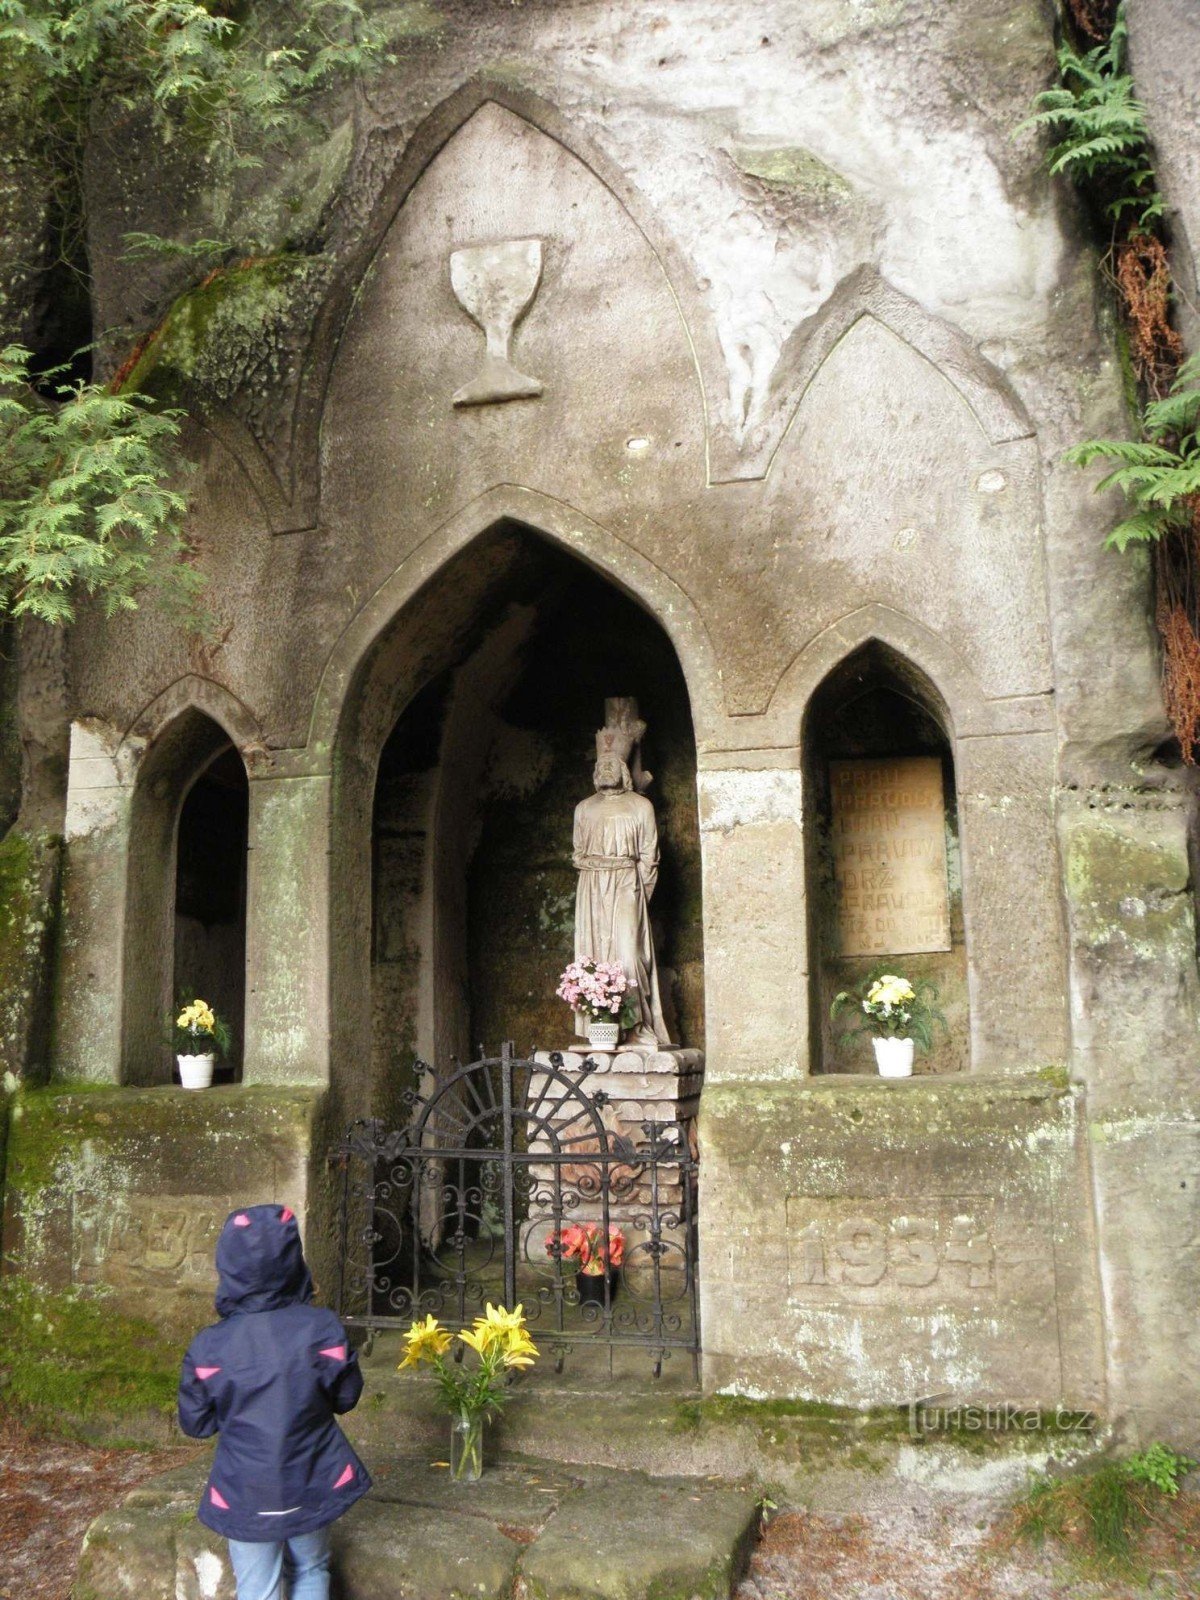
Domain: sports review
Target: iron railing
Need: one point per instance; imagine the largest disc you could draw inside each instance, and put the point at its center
(473, 1199)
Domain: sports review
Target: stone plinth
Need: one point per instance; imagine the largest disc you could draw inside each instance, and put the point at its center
(640, 1088)
(528, 1527)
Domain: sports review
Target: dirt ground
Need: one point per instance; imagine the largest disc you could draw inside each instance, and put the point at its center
(942, 1553)
(50, 1491)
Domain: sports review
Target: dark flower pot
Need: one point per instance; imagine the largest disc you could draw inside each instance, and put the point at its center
(591, 1287)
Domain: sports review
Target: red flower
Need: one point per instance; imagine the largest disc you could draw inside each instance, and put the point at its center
(570, 1244)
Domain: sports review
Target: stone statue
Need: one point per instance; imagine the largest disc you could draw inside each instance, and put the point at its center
(616, 856)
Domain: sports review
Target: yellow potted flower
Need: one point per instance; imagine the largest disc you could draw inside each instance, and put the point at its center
(471, 1391)
(200, 1036)
(898, 1015)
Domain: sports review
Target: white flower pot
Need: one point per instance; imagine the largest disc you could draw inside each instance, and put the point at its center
(195, 1072)
(894, 1057)
(603, 1035)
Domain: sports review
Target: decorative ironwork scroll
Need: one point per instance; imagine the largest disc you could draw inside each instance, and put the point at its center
(469, 1202)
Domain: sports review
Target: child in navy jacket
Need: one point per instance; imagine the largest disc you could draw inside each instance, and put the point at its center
(269, 1378)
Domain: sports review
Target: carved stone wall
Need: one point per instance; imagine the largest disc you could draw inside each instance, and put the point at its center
(807, 363)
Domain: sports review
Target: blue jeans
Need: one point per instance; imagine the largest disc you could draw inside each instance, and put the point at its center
(260, 1568)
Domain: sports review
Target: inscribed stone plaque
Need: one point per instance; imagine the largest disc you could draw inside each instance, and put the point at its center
(889, 856)
(903, 1252)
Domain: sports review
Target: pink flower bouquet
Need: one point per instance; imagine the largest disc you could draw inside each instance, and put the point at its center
(600, 990)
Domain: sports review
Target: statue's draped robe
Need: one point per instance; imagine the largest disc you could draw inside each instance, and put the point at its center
(616, 856)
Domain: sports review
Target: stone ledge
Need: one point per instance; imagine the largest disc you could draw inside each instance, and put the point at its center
(528, 1527)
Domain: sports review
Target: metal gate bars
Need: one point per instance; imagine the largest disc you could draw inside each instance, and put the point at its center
(502, 1167)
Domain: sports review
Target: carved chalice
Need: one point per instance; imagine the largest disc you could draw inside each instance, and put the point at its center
(495, 285)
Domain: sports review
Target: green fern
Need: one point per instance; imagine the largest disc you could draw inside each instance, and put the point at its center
(1101, 129)
(90, 500)
(1159, 474)
(234, 82)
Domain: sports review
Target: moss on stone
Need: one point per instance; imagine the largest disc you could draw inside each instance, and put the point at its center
(24, 928)
(1130, 890)
(218, 333)
(52, 1127)
(69, 1358)
(416, 19)
(792, 167)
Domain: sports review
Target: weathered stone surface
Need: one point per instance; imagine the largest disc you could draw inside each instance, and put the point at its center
(929, 1236)
(128, 1188)
(1164, 45)
(518, 1496)
(390, 1552)
(674, 1537)
(526, 1527)
(130, 1552)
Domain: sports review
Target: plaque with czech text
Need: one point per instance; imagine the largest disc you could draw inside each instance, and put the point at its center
(889, 856)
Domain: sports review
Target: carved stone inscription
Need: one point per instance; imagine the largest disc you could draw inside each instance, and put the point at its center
(889, 856)
(887, 1251)
(148, 1240)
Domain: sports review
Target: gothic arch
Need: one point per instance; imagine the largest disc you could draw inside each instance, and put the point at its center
(203, 695)
(875, 705)
(983, 388)
(560, 523)
(968, 710)
(429, 139)
(186, 742)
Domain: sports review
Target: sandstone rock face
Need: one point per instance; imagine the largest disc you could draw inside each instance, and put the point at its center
(810, 331)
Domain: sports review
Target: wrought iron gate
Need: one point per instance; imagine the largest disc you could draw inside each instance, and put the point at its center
(474, 1199)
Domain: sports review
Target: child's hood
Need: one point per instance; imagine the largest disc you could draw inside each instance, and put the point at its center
(260, 1261)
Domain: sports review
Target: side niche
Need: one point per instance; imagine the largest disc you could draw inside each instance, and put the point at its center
(883, 851)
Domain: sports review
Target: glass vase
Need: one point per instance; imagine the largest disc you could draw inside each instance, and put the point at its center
(466, 1449)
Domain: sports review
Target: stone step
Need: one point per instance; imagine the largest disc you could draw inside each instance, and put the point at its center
(529, 1528)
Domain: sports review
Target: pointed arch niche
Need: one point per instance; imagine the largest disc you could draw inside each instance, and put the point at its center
(873, 711)
(466, 742)
(185, 918)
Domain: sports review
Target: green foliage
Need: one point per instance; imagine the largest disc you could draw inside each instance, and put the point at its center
(1100, 126)
(1161, 1467)
(68, 1356)
(1160, 473)
(152, 246)
(1099, 1514)
(89, 500)
(230, 81)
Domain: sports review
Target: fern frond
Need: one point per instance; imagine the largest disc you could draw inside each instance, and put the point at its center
(1134, 452)
(1144, 527)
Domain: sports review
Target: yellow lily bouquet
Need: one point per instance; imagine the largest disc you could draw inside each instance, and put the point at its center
(500, 1340)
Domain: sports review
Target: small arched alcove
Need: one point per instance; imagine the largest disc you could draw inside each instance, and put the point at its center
(185, 917)
(883, 861)
(467, 742)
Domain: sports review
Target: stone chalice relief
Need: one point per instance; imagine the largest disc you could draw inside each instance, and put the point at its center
(495, 285)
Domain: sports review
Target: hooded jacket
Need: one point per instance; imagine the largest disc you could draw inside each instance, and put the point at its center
(269, 1378)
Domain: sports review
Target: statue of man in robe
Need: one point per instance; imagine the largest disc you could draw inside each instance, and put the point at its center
(616, 856)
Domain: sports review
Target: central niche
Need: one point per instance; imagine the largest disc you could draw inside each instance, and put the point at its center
(473, 888)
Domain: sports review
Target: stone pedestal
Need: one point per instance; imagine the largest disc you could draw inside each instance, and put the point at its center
(640, 1087)
(644, 1083)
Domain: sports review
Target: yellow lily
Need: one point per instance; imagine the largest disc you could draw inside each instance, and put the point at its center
(424, 1341)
